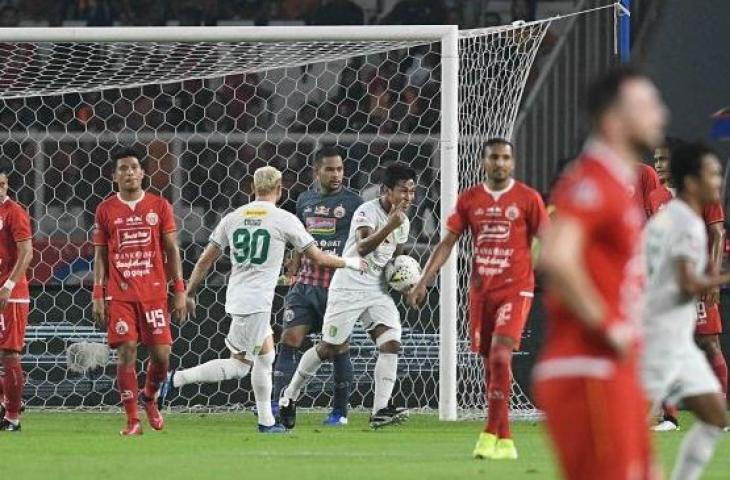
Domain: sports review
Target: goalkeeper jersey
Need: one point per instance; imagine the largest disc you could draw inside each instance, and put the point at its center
(256, 236)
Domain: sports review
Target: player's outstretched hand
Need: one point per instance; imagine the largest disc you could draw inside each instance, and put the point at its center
(98, 311)
(416, 295)
(190, 306)
(180, 307)
(4, 297)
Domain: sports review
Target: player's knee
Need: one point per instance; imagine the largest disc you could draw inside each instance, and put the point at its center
(127, 353)
(500, 356)
(328, 351)
(388, 341)
(292, 338)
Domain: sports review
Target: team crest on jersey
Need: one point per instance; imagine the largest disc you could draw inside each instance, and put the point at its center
(288, 315)
(339, 211)
(321, 210)
(152, 219)
(121, 327)
(512, 212)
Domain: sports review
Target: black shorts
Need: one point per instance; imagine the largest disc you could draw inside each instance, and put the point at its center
(305, 305)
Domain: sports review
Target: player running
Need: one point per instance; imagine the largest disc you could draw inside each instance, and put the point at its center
(16, 252)
(709, 320)
(673, 368)
(326, 210)
(587, 376)
(135, 244)
(256, 235)
(504, 216)
(378, 230)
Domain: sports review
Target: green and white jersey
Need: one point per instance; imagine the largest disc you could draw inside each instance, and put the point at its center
(256, 236)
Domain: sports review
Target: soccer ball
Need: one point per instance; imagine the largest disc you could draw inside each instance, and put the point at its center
(402, 273)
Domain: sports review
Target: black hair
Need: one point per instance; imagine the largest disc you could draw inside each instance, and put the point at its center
(397, 172)
(6, 168)
(327, 151)
(671, 143)
(686, 161)
(124, 152)
(604, 92)
(495, 141)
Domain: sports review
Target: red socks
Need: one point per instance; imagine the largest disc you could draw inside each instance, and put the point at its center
(127, 383)
(13, 381)
(156, 374)
(719, 366)
(499, 391)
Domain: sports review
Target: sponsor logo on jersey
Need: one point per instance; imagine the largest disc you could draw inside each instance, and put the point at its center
(255, 213)
(152, 219)
(321, 210)
(494, 212)
(478, 212)
(288, 315)
(339, 211)
(121, 327)
(321, 225)
(117, 221)
(134, 237)
(512, 212)
(308, 210)
(495, 231)
(133, 220)
(252, 222)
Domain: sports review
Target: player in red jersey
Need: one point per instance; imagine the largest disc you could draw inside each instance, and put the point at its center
(709, 320)
(586, 377)
(16, 252)
(648, 181)
(135, 253)
(504, 216)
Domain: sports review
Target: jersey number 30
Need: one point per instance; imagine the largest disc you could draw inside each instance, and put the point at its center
(251, 246)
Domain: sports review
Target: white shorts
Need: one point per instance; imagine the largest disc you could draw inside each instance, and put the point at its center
(671, 377)
(345, 307)
(248, 332)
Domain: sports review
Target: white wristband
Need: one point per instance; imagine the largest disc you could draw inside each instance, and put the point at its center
(9, 284)
(352, 263)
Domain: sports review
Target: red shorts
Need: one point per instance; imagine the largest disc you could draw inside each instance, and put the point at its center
(598, 427)
(135, 321)
(12, 326)
(499, 312)
(709, 321)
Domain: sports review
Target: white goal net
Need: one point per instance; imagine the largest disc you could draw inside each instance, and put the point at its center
(207, 112)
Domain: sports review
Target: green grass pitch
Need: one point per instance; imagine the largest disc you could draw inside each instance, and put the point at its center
(83, 445)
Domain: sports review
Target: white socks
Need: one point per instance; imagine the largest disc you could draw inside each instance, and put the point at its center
(386, 370)
(212, 372)
(308, 366)
(696, 451)
(261, 383)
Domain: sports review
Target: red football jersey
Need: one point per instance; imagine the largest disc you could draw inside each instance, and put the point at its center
(647, 182)
(713, 213)
(133, 234)
(503, 225)
(14, 228)
(597, 193)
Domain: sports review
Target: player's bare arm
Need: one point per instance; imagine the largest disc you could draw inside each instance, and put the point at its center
(716, 235)
(368, 241)
(101, 254)
(175, 274)
(25, 255)
(322, 259)
(571, 282)
(434, 264)
(695, 285)
(208, 258)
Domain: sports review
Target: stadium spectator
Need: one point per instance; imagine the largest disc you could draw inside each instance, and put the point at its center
(417, 12)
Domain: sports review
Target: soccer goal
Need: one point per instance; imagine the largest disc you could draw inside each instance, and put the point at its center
(210, 105)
